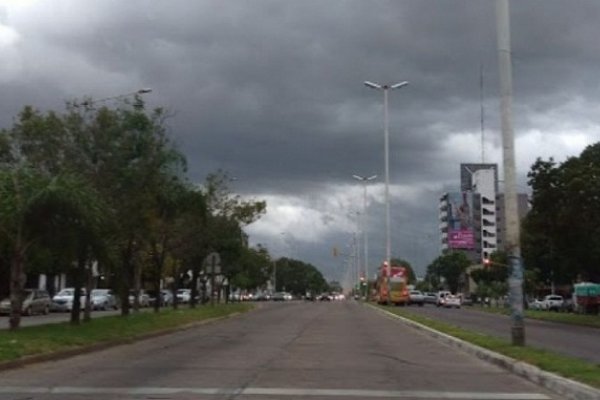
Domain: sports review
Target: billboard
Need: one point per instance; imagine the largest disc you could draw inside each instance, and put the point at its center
(461, 232)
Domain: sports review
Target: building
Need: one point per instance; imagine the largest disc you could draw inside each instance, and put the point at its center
(472, 220)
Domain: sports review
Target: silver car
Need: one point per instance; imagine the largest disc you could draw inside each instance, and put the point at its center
(63, 300)
(35, 301)
(103, 299)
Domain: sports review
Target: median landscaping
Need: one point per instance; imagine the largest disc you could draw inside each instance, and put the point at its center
(63, 337)
(563, 317)
(569, 367)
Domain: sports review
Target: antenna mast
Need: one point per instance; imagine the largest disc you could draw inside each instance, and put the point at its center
(482, 113)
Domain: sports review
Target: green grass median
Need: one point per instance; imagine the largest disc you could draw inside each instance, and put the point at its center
(569, 367)
(44, 339)
(562, 317)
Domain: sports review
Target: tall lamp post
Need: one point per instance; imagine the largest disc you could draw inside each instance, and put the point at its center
(513, 246)
(365, 180)
(386, 150)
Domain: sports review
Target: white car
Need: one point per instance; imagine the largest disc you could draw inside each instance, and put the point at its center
(143, 298)
(63, 300)
(552, 302)
(103, 299)
(441, 297)
(416, 297)
(184, 295)
(451, 300)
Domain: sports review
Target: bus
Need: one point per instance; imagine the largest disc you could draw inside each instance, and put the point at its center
(399, 286)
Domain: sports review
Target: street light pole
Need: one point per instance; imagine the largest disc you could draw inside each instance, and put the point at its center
(365, 180)
(386, 133)
(513, 247)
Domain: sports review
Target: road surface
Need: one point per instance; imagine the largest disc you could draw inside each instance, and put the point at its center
(567, 339)
(291, 350)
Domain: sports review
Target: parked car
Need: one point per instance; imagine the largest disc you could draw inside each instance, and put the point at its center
(143, 298)
(35, 301)
(103, 299)
(535, 304)
(441, 297)
(451, 300)
(184, 295)
(430, 298)
(416, 297)
(63, 300)
(552, 302)
(278, 296)
(287, 296)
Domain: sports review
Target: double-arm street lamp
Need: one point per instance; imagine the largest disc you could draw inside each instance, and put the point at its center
(388, 243)
(90, 103)
(365, 180)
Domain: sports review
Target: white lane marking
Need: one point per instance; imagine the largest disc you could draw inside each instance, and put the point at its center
(306, 392)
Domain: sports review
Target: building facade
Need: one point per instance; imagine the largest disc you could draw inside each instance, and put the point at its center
(472, 220)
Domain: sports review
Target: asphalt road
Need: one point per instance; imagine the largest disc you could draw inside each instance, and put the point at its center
(295, 350)
(572, 340)
(52, 318)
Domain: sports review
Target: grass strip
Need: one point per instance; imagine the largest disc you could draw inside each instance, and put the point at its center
(43, 339)
(569, 367)
(562, 317)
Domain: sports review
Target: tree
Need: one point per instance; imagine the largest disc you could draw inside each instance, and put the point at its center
(492, 279)
(298, 277)
(561, 233)
(451, 267)
(30, 203)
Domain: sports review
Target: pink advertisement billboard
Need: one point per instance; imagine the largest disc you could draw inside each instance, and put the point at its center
(461, 239)
(460, 230)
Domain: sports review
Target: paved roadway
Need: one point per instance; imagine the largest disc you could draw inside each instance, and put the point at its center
(295, 350)
(571, 340)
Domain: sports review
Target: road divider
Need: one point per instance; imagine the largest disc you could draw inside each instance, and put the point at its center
(580, 380)
(61, 340)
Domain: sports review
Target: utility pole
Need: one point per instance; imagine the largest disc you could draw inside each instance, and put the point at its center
(513, 247)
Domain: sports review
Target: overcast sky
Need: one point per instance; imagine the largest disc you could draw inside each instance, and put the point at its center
(271, 91)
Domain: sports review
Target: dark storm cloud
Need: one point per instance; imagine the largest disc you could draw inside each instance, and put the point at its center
(272, 90)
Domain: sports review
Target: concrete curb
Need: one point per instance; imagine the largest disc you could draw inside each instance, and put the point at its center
(567, 388)
(67, 353)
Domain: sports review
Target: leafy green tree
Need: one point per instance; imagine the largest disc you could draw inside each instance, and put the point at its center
(452, 267)
(561, 233)
(298, 277)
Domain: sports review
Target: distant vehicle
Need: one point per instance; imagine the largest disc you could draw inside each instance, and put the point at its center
(430, 298)
(441, 297)
(144, 298)
(287, 296)
(63, 300)
(325, 297)
(278, 296)
(552, 302)
(535, 304)
(35, 301)
(166, 297)
(103, 299)
(397, 281)
(184, 295)
(451, 300)
(586, 297)
(416, 297)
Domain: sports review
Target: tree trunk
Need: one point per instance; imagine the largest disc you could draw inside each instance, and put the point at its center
(78, 282)
(87, 312)
(125, 281)
(193, 299)
(17, 282)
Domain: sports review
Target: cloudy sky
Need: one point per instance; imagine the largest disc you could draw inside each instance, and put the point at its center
(271, 91)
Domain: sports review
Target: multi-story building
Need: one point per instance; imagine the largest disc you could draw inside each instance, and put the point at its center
(472, 220)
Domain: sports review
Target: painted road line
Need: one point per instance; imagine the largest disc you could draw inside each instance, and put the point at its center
(289, 392)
